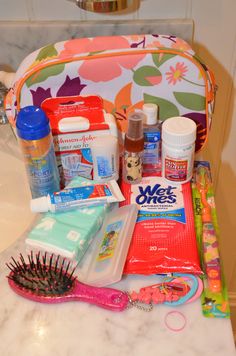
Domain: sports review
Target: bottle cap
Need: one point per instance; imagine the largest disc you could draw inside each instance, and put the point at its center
(32, 123)
(151, 112)
(135, 125)
(178, 131)
(39, 205)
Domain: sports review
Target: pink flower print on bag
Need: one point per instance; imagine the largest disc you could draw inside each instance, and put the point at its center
(75, 47)
(107, 69)
(161, 69)
(176, 73)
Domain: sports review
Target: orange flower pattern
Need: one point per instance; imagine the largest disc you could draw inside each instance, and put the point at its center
(122, 106)
(124, 70)
(176, 73)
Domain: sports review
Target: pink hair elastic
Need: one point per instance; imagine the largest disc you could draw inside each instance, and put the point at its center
(181, 315)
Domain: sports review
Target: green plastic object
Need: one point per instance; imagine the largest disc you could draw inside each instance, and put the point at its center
(214, 299)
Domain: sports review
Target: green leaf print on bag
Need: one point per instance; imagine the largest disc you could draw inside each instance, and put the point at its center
(147, 76)
(160, 58)
(191, 101)
(45, 73)
(167, 108)
(46, 52)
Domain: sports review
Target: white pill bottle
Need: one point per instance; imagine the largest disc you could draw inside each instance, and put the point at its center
(178, 148)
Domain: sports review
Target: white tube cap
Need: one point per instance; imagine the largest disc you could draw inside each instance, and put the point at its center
(39, 205)
(151, 112)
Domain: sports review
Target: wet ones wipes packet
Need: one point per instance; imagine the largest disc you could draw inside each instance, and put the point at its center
(164, 238)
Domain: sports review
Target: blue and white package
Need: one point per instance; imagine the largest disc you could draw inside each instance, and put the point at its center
(78, 197)
(69, 233)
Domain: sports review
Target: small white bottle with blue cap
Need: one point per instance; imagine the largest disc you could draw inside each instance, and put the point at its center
(35, 138)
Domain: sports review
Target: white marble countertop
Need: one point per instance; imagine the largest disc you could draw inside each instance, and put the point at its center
(20, 38)
(76, 328)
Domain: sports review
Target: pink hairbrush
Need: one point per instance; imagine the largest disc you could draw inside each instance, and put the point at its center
(53, 283)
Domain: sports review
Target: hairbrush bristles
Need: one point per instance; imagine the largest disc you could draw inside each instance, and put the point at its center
(47, 279)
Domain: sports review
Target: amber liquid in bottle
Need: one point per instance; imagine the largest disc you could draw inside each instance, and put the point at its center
(133, 149)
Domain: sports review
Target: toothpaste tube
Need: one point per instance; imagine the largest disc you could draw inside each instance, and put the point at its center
(78, 197)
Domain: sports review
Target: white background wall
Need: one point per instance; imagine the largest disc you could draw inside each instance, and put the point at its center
(215, 42)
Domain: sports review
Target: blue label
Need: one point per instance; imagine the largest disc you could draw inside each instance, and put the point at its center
(150, 146)
(80, 193)
(156, 195)
(152, 136)
(103, 167)
(158, 200)
(177, 215)
(43, 174)
(151, 153)
(86, 153)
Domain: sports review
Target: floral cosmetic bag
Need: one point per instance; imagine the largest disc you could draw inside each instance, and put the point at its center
(125, 71)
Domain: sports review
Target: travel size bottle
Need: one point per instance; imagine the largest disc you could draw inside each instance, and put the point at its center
(152, 140)
(178, 148)
(105, 155)
(133, 149)
(35, 139)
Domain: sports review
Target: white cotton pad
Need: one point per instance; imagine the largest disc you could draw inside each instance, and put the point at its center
(69, 233)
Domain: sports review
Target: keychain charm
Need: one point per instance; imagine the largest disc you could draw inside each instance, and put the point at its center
(176, 290)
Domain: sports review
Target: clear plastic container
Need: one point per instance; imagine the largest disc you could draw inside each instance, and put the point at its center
(109, 256)
(152, 140)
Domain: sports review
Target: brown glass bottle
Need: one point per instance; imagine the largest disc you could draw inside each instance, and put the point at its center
(133, 149)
